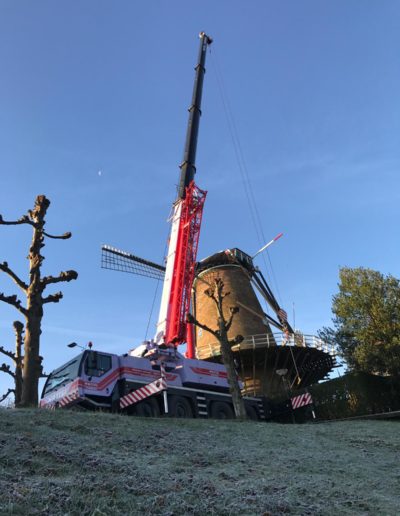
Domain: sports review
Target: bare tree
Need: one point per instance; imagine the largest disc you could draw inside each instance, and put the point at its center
(5, 396)
(33, 311)
(16, 357)
(217, 294)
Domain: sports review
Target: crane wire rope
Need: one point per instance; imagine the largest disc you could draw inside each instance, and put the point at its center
(152, 309)
(154, 297)
(254, 212)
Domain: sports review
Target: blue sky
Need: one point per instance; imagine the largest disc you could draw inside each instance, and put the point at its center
(313, 88)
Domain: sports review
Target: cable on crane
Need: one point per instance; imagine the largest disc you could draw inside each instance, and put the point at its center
(298, 377)
(154, 299)
(254, 212)
(151, 310)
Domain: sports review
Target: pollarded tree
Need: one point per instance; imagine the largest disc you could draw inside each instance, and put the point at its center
(16, 357)
(217, 294)
(35, 298)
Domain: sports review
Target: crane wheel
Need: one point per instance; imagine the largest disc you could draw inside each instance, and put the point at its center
(252, 413)
(221, 410)
(148, 408)
(179, 407)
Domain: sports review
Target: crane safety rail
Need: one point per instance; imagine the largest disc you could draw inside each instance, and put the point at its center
(263, 340)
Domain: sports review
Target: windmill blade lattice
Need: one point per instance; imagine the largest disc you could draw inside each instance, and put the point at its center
(117, 260)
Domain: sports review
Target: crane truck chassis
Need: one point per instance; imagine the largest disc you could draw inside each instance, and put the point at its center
(148, 381)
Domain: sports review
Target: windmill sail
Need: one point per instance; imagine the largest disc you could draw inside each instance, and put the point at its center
(117, 260)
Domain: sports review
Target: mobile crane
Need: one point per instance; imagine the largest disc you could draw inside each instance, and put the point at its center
(155, 378)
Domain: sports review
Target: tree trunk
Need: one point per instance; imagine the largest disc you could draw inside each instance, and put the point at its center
(31, 369)
(229, 363)
(34, 309)
(18, 385)
(19, 328)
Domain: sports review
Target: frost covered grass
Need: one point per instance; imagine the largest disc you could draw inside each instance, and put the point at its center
(73, 463)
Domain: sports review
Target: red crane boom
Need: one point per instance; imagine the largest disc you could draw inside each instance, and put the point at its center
(185, 261)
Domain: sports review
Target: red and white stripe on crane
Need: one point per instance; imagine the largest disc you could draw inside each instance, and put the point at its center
(146, 391)
(301, 401)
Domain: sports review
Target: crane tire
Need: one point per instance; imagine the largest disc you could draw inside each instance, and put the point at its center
(148, 408)
(221, 410)
(179, 407)
(252, 413)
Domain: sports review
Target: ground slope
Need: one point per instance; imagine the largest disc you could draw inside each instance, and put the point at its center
(100, 464)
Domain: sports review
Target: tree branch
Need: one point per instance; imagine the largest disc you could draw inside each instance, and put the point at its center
(5, 268)
(53, 298)
(65, 236)
(233, 310)
(7, 353)
(6, 369)
(63, 276)
(210, 293)
(218, 295)
(10, 391)
(18, 327)
(23, 220)
(237, 340)
(14, 301)
(219, 287)
(190, 319)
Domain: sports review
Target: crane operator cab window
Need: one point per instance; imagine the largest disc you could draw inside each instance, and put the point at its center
(63, 375)
(97, 364)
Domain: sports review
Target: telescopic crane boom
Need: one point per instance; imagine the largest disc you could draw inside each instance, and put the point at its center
(185, 229)
(188, 167)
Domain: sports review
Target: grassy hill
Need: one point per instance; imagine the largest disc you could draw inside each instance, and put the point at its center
(101, 464)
